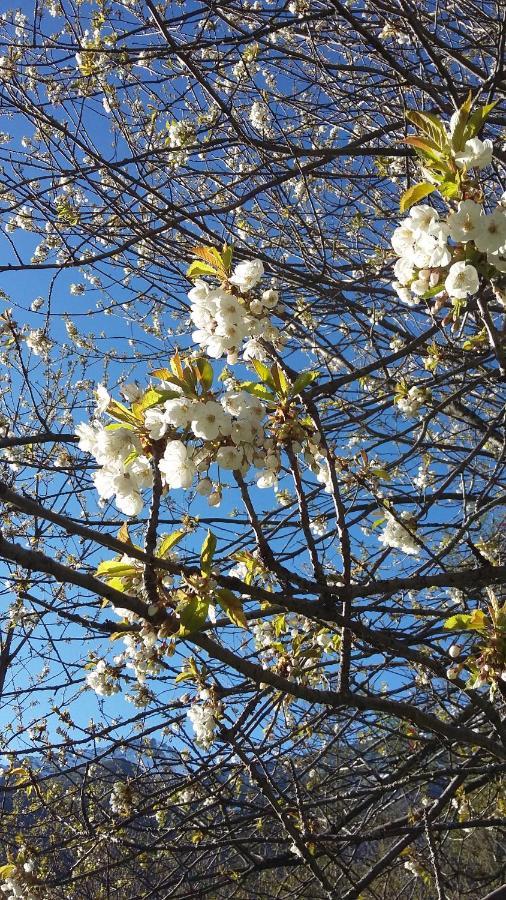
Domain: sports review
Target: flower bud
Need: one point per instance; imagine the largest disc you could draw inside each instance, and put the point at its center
(205, 487)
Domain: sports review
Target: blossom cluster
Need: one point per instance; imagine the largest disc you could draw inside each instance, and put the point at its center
(193, 427)
(224, 321)
(121, 799)
(124, 471)
(451, 253)
(414, 399)
(400, 535)
(103, 679)
(293, 637)
(18, 883)
(204, 716)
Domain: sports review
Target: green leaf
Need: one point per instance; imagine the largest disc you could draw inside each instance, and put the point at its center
(258, 390)
(180, 382)
(415, 193)
(184, 676)
(177, 366)
(118, 585)
(476, 621)
(477, 118)
(378, 522)
(192, 613)
(279, 624)
(113, 426)
(448, 189)
(280, 380)
(232, 605)
(150, 398)
(207, 553)
(168, 542)
(190, 379)
(433, 291)
(130, 458)
(7, 870)
(263, 371)
(118, 411)
(110, 567)
(164, 374)
(302, 381)
(429, 125)
(478, 340)
(204, 372)
(426, 149)
(379, 472)
(226, 256)
(458, 139)
(210, 255)
(198, 268)
(124, 534)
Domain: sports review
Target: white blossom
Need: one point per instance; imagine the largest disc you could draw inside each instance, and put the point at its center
(259, 116)
(204, 719)
(465, 223)
(398, 536)
(247, 274)
(462, 280)
(38, 342)
(476, 154)
(491, 235)
(209, 420)
(176, 465)
(103, 399)
(103, 679)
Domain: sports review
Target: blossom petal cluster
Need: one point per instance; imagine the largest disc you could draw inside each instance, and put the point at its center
(448, 254)
(103, 679)
(224, 320)
(204, 717)
(124, 471)
(18, 884)
(400, 536)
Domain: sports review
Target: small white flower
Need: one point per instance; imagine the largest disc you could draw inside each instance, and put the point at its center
(210, 420)
(130, 503)
(491, 235)
(87, 435)
(204, 487)
(422, 218)
(476, 154)
(462, 280)
(176, 466)
(38, 342)
(270, 298)
(465, 223)
(155, 422)
(396, 535)
(247, 274)
(229, 458)
(404, 270)
(177, 412)
(403, 238)
(404, 294)
(259, 116)
(103, 399)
